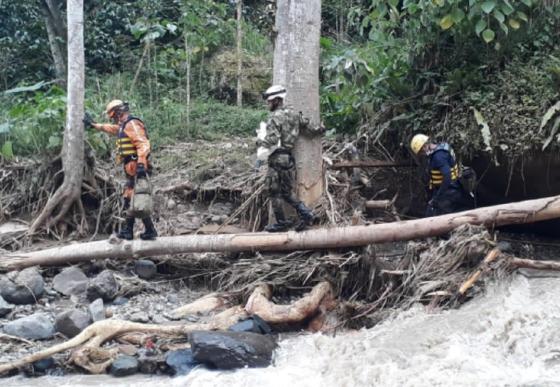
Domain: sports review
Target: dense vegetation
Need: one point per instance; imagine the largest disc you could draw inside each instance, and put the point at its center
(389, 68)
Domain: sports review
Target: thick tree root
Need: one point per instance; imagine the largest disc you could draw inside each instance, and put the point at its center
(259, 303)
(205, 304)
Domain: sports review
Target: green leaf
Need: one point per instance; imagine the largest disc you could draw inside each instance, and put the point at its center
(54, 142)
(480, 26)
(504, 28)
(483, 126)
(514, 24)
(507, 9)
(446, 22)
(488, 6)
(7, 150)
(522, 16)
(440, 3)
(171, 27)
(552, 133)
(499, 16)
(457, 14)
(528, 3)
(394, 3)
(488, 35)
(549, 114)
(5, 128)
(325, 42)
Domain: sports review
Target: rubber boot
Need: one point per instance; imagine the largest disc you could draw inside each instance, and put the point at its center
(150, 232)
(306, 217)
(127, 229)
(281, 223)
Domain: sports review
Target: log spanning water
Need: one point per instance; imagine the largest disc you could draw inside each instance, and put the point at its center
(324, 238)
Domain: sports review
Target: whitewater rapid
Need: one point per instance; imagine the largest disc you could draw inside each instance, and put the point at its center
(510, 336)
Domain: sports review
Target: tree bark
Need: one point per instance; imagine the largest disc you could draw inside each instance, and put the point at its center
(335, 237)
(519, 263)
(239, 39)
(73, 146)
(296, 67)
(55, 33)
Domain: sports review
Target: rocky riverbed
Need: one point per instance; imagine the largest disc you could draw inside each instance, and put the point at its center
(42, 308)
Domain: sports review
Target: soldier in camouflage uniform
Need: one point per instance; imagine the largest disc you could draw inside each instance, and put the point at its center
(282, 129)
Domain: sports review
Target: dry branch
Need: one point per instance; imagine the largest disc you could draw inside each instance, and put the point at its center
(335, 237)
(379, 204)
(490, 257)
(519, 263)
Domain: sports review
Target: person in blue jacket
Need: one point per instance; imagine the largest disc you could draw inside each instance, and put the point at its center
(447, 193)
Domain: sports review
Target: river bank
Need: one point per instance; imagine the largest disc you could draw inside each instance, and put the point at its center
(507, 337)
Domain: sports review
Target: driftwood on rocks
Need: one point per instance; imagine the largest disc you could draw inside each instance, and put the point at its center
(325, 238)
(88, 353)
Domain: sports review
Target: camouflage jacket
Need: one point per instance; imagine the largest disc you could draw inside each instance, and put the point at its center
(284, 126)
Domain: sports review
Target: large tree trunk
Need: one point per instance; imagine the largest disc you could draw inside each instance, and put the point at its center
(57, 38)
(335, 237)
(73, 147)
(296, 67)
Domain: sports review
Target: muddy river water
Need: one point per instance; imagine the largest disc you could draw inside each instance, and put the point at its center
(508, 337)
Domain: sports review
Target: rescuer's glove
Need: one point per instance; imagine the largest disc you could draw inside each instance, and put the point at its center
(140, 171)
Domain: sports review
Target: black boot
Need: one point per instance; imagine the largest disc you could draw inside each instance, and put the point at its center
(281, 223)
(127, 229)
(279, 226)
(306, 217)
(150, 232)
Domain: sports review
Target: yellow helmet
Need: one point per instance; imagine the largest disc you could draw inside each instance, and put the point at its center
(112, 105)
(417, 142)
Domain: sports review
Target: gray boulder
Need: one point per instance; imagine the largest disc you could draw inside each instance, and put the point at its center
(103, 286)
(149, 362)
(229, 350)
(24, 287)
(145, 268)
(180, 361)
(124, 365)
(5, 308)
(72, 322)
(34, 327)
(70, 281)
(97, 310)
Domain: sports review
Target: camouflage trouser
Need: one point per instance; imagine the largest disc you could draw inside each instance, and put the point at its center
(280, 180)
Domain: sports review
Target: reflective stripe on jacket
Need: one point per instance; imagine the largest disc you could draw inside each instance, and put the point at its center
(436, 176)
(125, 145)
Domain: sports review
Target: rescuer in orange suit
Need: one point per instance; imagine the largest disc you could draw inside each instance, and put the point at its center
(133, 151)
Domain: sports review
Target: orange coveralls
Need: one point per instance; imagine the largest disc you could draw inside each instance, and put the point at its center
(135, 130)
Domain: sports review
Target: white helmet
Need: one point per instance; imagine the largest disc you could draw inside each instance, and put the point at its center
(274, 92)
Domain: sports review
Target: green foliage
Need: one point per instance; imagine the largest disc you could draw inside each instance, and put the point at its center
(422, 50)
(208, 120)
(32, 123)
(36, 121)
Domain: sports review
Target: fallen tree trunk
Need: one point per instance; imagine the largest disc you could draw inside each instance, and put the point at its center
(369, 164)
(335, 237)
